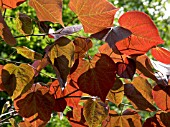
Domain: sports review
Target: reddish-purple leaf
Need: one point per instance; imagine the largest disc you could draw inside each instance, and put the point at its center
(126, 69)
(144, 33)
(95, 77)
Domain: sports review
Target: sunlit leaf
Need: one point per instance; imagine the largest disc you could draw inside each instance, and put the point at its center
(95, 112)
(24, 23)
(134, 96)
(61, 55)
(95, 16)
(95, 77)
(39, 102)
(28, 53)
(5, 32)
(48, 10)
(116, 94)
(144, 87)
(129, 118)
(161, 54)
(144, 33)
(126, 69)
(144, 67)
(82, 45)
(161, 96)
(9, 4)
(25, 123)
(17, 79)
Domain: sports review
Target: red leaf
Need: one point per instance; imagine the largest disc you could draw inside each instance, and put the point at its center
(95, 77)
(126, 69)
(2, 88)
(144, 33)
(161, 54)
(161, 96)
(35, 105)
(94, 15)
(10, 3)
(71, 88)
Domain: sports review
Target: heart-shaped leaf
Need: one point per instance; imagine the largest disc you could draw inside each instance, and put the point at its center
(95, 16)
(10, 4)
(144, 33)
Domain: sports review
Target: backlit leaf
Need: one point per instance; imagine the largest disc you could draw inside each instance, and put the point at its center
(95, 16)
(126, 69)
(82, 45)
(161, 54)
(48, 10)
(25, 123)
(161, 96)
(116, 94)
(129, 118)
(95, 77)
(35, 105)
(28, 53)
(17, 79)
(144, 87)
(5, 32)
(9, 4)
(61, 55)
(144, 33)
(134, 96)
(24, 24)
(144, 67)
(95, 112)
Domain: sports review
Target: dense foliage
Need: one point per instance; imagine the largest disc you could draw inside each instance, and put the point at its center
(74, 58)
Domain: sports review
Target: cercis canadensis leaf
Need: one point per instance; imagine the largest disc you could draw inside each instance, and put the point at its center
(24, 24)
(161, 97)
(129, 118)
(144, 33)
(39, 102)
(161, 54)
(10, 4)
(5, 32)
(95, 77)
(28, 53)
(95, 16)
(48, 10)
(95, 112)
(17, 79)
(126, 69)
(1, 85)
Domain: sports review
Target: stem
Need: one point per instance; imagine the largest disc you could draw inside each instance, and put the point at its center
(67, 96)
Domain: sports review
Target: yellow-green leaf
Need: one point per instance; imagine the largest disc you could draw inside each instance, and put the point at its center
(95, 112)
(17, 79)
(28, 53)
(24, 24)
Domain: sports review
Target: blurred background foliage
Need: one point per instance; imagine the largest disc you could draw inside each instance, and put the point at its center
(156, 9)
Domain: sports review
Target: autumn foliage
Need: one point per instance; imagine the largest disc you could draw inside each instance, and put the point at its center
(88, 84)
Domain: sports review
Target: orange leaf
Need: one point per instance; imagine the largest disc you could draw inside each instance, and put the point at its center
(95, 15)
(5, 32)
(35, 105)
(129, 118)
(48, 10)
(97, 76)
(161, 97)
(161, 54)
(144, 33)
(10, 3)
